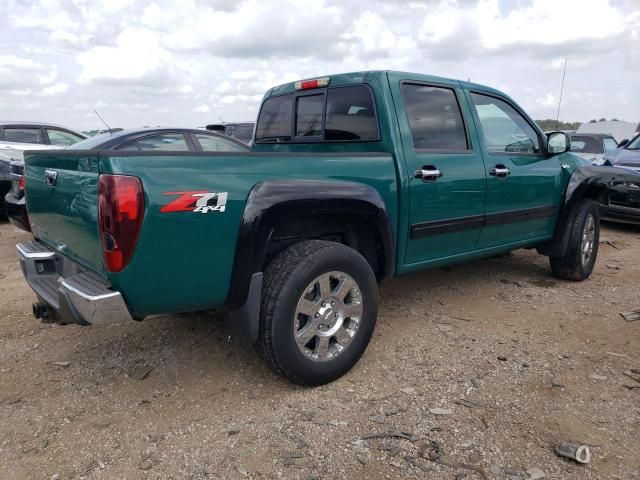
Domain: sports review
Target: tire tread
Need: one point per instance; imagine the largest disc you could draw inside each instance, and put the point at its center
(276, 274)
(568, 267)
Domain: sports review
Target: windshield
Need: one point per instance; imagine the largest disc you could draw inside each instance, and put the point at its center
(91, 142)
(634, 144)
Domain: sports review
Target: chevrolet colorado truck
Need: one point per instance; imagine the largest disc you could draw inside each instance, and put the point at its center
(351, 179)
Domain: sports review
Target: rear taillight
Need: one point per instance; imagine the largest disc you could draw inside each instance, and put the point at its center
(120, 212)
(22, 183)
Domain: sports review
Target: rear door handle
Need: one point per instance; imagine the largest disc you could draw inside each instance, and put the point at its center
(428, 173)
(500, 171)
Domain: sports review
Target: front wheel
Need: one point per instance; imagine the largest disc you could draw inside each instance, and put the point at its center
(584, 237)
(318, 311)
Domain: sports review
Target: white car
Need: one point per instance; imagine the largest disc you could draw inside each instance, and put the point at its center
(16, 137)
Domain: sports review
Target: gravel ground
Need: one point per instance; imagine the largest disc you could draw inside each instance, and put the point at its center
(517, 359)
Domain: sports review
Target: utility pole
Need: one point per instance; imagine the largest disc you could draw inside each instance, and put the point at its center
(564, 71)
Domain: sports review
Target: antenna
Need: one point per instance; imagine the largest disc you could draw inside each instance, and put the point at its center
(564, 71)
(103, 120)
(220, 118)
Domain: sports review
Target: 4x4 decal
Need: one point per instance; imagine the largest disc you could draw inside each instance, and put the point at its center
(198, 201)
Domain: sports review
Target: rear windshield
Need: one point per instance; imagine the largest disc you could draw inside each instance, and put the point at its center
(91, 142)
(23, 135)
(586, 144)
(335, 114)
(242, 132)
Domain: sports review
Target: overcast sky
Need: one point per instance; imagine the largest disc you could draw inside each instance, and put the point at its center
(189, 62)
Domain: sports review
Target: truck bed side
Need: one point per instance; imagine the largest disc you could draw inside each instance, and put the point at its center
(184, 259)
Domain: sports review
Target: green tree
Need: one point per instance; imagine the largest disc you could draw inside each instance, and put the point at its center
(550, 124)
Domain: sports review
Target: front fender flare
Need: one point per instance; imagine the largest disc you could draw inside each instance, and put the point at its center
(585, 182)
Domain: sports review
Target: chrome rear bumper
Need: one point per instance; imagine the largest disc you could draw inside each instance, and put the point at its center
(77, 295)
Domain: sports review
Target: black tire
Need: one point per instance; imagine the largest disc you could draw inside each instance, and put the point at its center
(286, 280)
(573, 265)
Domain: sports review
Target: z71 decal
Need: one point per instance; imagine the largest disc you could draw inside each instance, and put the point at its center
(197, 201)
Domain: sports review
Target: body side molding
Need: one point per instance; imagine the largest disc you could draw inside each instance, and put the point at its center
(419, 230)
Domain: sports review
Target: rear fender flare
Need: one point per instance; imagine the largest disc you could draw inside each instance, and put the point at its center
(270, 202)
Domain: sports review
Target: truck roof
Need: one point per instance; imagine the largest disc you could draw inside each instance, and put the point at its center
(342, 79)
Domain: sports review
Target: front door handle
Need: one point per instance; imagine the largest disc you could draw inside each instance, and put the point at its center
(500, 171)
(428, 173)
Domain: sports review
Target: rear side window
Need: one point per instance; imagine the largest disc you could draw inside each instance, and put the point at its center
(336, 114)
(167, 142)
(23, 135)
(434, 117)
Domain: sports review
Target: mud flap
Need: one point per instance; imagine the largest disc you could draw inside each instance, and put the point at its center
(245, 320)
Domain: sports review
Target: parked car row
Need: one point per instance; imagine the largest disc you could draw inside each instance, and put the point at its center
(15, 138)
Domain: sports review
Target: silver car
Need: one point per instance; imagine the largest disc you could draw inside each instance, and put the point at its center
(593, 146)
(16, 137)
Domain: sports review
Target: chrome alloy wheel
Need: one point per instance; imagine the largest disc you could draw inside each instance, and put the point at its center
(327, 316)
(588, 239)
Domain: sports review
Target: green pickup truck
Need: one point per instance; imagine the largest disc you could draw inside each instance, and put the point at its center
(351, 179)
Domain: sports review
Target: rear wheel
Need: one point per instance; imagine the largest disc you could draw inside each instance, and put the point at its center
(582, 250)
(318, 311)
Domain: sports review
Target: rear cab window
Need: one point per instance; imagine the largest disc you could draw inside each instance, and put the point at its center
(325, 115)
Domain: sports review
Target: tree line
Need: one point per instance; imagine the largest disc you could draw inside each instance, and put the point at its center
(550, 124)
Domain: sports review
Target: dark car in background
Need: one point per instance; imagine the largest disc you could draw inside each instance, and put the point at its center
(593, 146)
(149, 139)
(623, 202)
(242, 131)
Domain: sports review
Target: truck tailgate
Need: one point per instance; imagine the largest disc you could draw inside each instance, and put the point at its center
(62, 201)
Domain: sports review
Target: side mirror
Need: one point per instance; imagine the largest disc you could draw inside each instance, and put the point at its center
(623, 142)
(558, 142)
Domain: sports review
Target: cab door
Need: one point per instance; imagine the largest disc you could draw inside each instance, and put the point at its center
(445, 171)
(523, 182)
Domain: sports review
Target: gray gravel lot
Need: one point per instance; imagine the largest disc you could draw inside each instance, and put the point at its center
(516, 360)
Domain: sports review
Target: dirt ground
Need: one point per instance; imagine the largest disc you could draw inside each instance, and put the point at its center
(520, 359)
